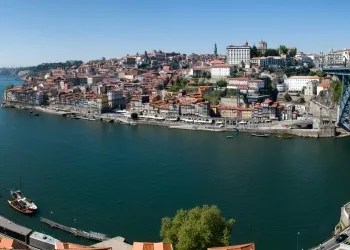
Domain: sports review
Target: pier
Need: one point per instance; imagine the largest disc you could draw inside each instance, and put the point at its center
(78, 233)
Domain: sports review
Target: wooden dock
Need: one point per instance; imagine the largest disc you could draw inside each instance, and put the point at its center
(78, 233)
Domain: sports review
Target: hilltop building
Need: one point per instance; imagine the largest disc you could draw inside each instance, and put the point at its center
(262, 47)
(238, 54)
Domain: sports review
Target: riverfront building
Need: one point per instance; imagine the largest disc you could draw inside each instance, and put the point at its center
(42, 241)
(20, 95)
(13, 230)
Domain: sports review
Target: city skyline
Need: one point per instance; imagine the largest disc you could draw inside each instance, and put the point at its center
(39, 31)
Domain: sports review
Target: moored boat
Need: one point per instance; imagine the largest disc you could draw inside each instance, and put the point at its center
(20, 206)
(28, 203)
(284, 136)
(229, 137)
(261, 135)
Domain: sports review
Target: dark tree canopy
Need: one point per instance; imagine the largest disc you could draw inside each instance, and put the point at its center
(197, 229)
(287, 97)
(271, 52)
(254, 51)
(292, 52)
(283, 49)
(221, 83)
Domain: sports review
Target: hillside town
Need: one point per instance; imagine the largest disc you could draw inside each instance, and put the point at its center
(250, 84)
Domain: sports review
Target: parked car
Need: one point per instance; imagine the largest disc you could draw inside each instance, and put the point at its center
(341, 238)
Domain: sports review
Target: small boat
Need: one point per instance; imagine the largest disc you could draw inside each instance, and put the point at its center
(74, 117)
(20, 206)
(229, 137)
(261, 135)
(36, 114)
(18, 196)
(284, 136)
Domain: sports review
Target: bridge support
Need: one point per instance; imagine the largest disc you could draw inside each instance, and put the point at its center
(344, 105)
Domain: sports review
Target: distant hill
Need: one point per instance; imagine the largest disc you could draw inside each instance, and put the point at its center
(40, 68)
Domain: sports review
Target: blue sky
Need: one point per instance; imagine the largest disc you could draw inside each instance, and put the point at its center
(36, 31)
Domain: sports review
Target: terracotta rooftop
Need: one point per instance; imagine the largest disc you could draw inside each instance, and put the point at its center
(249, 246)
(222, 66)
(64, 245)
(6, 243)
(323, 85)
(151, 246)
(304, 77)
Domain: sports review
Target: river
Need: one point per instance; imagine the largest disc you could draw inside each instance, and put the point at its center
(121, 180)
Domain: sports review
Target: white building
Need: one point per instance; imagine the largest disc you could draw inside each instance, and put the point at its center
(238, 54)
(270, 61)
(115, 98)
(345, 215)
(221, 70)
(42, 241)
(342, 246)
(281, 87)
(346, 56)
(311, 88)
(297, 83)
(335, 58)
(246, 84)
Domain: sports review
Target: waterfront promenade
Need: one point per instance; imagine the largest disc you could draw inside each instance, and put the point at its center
(273, 127)
(331, 243)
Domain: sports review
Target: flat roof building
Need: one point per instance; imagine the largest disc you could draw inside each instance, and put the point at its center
(42, 241)
(13, 230)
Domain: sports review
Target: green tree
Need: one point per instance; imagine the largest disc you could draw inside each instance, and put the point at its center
(221, 83)
(287, 97)
(271, 52)
(283, 49)
(197, 229)
(292, 52)
(336, 88)
(231, 92)
(10, 86)
(254, 51)
(302, 100)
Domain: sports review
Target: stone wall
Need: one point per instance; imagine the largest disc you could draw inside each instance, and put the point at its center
(315, 110)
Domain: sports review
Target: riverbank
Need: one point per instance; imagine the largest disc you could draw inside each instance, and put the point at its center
(273, 128)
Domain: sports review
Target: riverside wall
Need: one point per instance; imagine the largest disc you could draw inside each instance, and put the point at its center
(311, 133)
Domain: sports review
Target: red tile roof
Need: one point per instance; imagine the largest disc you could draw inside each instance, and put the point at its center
(151, 246)
(249, 246)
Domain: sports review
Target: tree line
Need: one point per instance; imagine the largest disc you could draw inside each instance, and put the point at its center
(254, 52)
